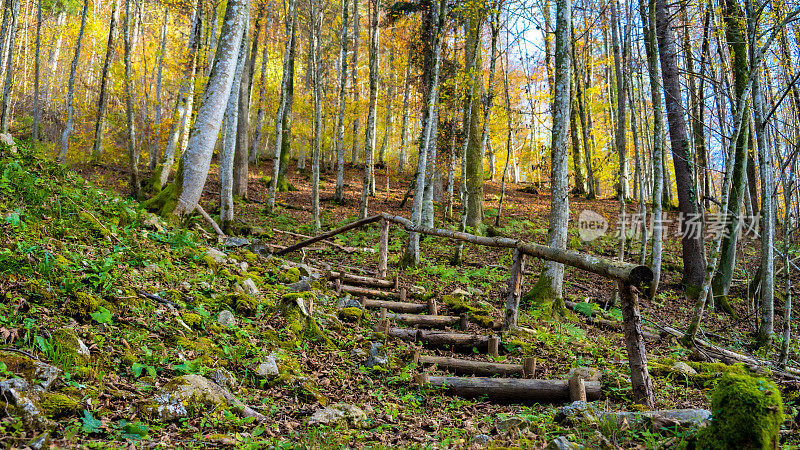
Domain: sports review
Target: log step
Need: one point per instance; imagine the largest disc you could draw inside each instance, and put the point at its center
(425, 320)
(436, 338)
(481, 368)
(513, 390)
(400, 307)
(367, 292)
(362, 280)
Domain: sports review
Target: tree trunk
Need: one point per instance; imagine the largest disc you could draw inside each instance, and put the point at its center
(255, 144)
(620, 67)
(183, 196)
(241, 158)
(411, 257)
(694, 260)
(133, 151)
(559, 198)
(736, 37)
(103, 101)
(231, 124)
(37, 111)
(183, 104)
(387, 135)
(338, 194)
(355, 86)
(314, 31)
(369, 139)
(62, 155)
(474, 158)
(5, 115)
(283, 117)
(401, 164)
(587, 142)
(155, 154)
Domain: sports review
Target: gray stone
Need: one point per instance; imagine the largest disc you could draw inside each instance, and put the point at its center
(223, 377)
(303, 285)
(358, 354)
(7, 140)
(339, 413)
(480, 439)
(348, 302)
(243, 266)
(511, 423)
(153, 221)
(233, 242)
(656, 420)
(268, 368)
(377, 356)
(587, 373)
(204, 286)
(576, 413)
(16, 393)
(218, 256)
(250, 287)
(38, 375)
(458, 292)
(226, 318)
(562, 443)
(152, 268)
(190, 395)
(185, 285)
(682, 367)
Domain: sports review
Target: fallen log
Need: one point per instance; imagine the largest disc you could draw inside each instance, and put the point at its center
(470, 367)
(343, 248)
(358, 279)
(367, 292)
(400, 307)
(510, 389)
(323, 236)
(425, 320)
(446, 339)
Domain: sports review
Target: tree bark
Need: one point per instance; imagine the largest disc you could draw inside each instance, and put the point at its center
(315, 163)
(338, 194)
(370, 137)
(5, 115)
(133, 151)
(694, 260)
(62, 155)
(103, 100)
(514, 390)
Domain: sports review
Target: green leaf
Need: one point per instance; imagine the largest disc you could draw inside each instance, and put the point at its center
(187, 367)
(134, 430)
(90, 424)
(137, 368)
(584, 308)
(102, 315)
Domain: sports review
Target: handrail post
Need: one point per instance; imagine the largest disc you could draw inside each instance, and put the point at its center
(514, 290)
(634, 342)
(383, 253)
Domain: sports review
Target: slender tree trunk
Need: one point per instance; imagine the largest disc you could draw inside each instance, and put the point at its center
(241, 157)
(255, 145)
(620, 67)
(181, 117)
(314, 29)
(103, 100)
(53, 56)
(282, 118)
(587, 142)
(5, 115)
(369, 141)
(133, 151)
(387, 135)
(553, 274)
(401, 164)
(355, 86)
(694, 260)
(338, 194)
(183, 195)
(37, 110)
(411, 257)
(155, 155)
(62, 155)
(474, 158)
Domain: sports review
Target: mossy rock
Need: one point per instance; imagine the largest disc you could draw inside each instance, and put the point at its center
(289, 276)
(350, 314)
(69, 348)
(299, 324)
(747, 414)
(242, 303)
(191, 319)
(81, 305)
(37, 293)
(29, 369)
(708, 374)
(57, 406)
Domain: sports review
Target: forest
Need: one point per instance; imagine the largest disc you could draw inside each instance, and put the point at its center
(557, 224)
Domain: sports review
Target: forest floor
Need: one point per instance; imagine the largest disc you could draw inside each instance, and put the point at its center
(77, 257)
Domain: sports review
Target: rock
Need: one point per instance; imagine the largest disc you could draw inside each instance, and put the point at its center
(339, 413)
(269, 368)
(303, 284)
(258, 232)
(511, 423)
(15, 393)
(204, 285)
(243, 266)
(233, 242)
(458, 292)
(250, 287)
(348, 302)
(358, 354)
(682, 367)
(8, 141)
(226, 318)
(656, 420)
(185, 285)
(350, 314)
(576, 413)
(153, 221)
(480, 439)
(218, 256)
(587, 373)
(377, 356)
(223, 377)
(152, 268)
(190, 395)
(35, 374)
(562, 443)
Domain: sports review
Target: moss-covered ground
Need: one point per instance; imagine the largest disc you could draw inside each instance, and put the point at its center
(75, 259)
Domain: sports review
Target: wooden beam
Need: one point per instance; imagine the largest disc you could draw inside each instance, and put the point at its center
(425, 320)
(514, 290)
(634, 343)
(326, 235)
(359, 279)
(383, 253)
(512, 389)
(470, 367)
(400, 307)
